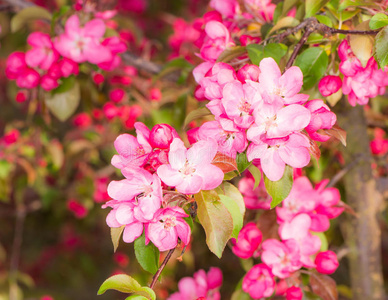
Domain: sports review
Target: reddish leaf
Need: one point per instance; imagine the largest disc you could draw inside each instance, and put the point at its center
(348, 208)
(314, 150)
(224, 162)
(336, 132)
(324, 286)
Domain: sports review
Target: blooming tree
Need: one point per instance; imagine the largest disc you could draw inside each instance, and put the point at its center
(265, 84)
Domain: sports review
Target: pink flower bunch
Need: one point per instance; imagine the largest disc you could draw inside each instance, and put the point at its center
(262, 107)
(153, 163)
(306, 210)
(50, 60)
(360, 83)
(202, 284)
(379, 145)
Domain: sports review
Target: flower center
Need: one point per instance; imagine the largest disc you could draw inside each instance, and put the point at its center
(187, 169)
(169, 223)
(139, 151)
(245, 106)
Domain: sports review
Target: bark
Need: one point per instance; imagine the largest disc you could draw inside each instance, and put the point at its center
(362, 233)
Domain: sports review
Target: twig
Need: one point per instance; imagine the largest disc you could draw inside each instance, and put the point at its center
(298, 46)
(164, 263)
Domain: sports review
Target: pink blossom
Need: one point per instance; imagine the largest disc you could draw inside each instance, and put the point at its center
(286, 86)
(42, 54)
(155, 94)
(257, 198)
(135, 6)
(132, 151)
(294, 293)
(250, 72)
(167, 227)
(248, 241)
(116, 46)
(326, 262)
(48, 83)
(328, 85)
(190, 170)
(321, 118)
(239, 101)
(116, 95)
(162, 135)
(82, 44)
(281, 257)
(217, 40)
(200, 286)
(298, 229)
(379, 145)
(100, 190)
(16, 68)
(274, 154)
(264, 8)
(228, 8)
(11, 137)
(230, 139)
(98, 78)
(274, 120)
(110, 110)
(21, 96)
(79, 210)
(143, 188)
(123, 214)
(68, 67)
(82, 120)
(259, 282)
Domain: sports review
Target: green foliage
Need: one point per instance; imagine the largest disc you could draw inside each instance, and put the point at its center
(196, 114)
(256, 173)
(64, 104)
(115, 234)
(313, 6)
(242, 162)
(313, 63)
(216, 220)
(28, 14)
(257, 52)
(280, 189)
(126, 284)
(378, 21)
(229, 53)
(381, 48)
(234, 210)
(147, 255)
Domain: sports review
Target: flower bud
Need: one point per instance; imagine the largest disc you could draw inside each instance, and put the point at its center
(117, 95)
(329, 85)
(162, 135)
(294, 293)
(326, 262)
(248, 242)
(250, 72)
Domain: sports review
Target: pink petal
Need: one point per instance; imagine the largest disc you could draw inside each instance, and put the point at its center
(190, 185)
(212, 176)
(291, 118)
(95, 28)
(169, 176)
(124, 213)
(177, 154)
(273, 166)
(270, 74)
(291, 81)
(96, 53)
(202, 152)
(132, 232)
(124, 190)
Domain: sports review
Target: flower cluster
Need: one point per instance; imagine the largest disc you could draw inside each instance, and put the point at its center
(360, 83)
(201, 286)
(50, 60)
(153, 163)
(262, 107)
(303, 213)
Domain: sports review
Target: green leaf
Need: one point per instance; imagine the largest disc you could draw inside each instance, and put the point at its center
(381, 48)
(256, 173)
(230, 53)
(324, 20)
(136, 297)
(28, 14)
(115, 234)
(313, 63)
(348, 3)
(196, 114)
(177, 64)
(288, 4)
(234, 211)
(126, 284)
(231, 191)
(5, 168)
(313, 6)
(284, 23)
(257, 52)
(362, 45)
(230, 175)
(242, 162)
(147, 255)
(66, 84)
(280, 189)
(216, 220)
(63, 105)
(378, 21)
(278, 12)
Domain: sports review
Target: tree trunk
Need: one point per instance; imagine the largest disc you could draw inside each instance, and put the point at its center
(362, 233)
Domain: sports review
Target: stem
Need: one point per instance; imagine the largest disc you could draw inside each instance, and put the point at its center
(164, 263)
(298, 46)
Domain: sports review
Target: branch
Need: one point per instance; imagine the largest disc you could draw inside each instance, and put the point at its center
(164, 263)
(19, 3)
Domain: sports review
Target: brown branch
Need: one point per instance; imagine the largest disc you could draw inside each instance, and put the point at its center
(164, 263)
